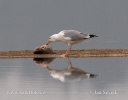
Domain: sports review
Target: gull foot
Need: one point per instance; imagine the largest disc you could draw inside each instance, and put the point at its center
(65, 55)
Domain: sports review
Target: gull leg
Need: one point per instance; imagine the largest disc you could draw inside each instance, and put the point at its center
(68, 51)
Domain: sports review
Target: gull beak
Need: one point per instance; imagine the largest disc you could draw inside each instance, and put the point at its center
(48, 42)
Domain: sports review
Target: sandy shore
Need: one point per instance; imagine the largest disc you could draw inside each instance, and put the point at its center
(74, 53)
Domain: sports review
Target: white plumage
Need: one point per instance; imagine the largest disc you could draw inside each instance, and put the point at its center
(69, 37)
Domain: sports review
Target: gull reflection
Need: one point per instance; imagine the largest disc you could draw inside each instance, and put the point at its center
(69, 74)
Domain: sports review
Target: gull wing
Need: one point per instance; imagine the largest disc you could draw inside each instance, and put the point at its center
(73, 35)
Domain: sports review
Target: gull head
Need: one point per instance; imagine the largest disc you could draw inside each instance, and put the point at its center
(54, 38)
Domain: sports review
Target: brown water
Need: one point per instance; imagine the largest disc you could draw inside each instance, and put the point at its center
(24, 79)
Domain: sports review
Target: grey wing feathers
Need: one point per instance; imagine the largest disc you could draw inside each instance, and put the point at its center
(74, 35)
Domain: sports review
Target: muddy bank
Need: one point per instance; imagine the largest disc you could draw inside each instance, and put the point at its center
(74, 53)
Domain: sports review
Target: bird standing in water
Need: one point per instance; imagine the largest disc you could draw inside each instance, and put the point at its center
(69, 37)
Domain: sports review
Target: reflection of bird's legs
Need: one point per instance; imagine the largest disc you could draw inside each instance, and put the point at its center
(69, 63)
(68, 51)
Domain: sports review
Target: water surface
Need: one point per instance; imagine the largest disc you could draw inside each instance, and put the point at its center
(26, 76)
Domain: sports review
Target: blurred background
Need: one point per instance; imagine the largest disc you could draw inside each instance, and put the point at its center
(26, 24)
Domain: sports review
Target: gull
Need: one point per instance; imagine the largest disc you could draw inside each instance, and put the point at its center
(69, 37)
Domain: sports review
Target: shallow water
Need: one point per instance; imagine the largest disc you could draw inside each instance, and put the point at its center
(25, 79)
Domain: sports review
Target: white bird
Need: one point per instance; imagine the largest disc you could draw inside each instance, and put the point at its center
(69, 37)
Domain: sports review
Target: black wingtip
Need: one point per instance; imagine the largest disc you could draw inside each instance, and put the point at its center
(93, 35)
